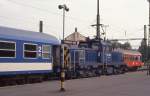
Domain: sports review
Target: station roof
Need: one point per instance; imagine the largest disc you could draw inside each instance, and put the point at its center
(18, 34)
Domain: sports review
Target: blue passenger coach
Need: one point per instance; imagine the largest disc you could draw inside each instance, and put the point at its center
(25, 52)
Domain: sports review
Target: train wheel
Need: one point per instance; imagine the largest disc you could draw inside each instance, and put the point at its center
(115, 71)
(110, 70)
(122, 70)
(98, 72)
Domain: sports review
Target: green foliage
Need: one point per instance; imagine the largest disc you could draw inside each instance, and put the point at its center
(145, 51)
(125, 46)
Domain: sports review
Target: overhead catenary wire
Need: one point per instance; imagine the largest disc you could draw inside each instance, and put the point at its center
(25, 4)
(48, 11)
(49, 27)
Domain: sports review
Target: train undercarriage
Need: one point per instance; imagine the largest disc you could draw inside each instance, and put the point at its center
(80, 72)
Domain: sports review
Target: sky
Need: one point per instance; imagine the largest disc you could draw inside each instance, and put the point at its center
(124, 18)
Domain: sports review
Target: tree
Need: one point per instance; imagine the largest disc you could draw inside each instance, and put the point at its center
(116, 45)
(145, 51)
(141, 49)
(126, 46)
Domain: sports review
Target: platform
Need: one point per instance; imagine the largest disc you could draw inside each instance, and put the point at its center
(129, 84)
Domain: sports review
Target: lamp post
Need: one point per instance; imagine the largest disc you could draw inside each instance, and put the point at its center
(65, 8)
(62, 74)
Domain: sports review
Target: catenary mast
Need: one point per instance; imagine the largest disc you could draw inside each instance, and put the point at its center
(98, 22)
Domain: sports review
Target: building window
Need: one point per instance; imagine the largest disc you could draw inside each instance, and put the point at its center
(7, 49)
(46, 51)
(30, 51)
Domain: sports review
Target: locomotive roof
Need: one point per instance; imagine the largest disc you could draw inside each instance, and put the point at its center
(18, 34)
(133, 52)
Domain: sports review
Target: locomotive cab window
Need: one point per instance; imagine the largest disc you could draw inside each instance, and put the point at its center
(7, 49)
(30, 51)
(46, 51)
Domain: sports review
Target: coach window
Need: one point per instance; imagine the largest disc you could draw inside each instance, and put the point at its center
(30, 51)
(46, 51)
(7, 49)
(136, 58)
(139, 58)
(132, 58)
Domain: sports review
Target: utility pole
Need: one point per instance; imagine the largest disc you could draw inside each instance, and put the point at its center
(98, 38)
(148, 65)
(145, 43)
(98, 22)
(149, 25)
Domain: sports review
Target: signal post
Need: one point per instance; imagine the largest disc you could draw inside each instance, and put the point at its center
(62, 74)
(64, 64)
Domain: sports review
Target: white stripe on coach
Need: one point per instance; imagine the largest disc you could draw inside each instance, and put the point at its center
(24, 66)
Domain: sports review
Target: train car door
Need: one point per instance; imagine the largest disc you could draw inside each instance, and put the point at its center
(81, 57)
(78, 58)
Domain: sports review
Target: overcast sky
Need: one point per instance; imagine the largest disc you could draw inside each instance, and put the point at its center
(120, 15)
